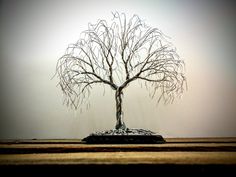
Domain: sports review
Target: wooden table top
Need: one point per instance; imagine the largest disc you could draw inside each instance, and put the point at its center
(174, 151)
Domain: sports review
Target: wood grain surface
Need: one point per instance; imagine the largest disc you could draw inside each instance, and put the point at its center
(120, 158)
(70, 157)
(175, 151)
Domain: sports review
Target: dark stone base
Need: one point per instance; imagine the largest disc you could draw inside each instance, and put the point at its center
(124, 139)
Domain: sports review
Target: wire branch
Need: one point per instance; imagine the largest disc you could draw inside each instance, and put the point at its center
(118, 53)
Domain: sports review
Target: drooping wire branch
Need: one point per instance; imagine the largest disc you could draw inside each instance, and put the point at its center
(116, 54)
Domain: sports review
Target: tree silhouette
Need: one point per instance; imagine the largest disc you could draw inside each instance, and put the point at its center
(117, 54)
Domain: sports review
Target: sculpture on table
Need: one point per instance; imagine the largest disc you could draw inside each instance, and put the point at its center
(116, 54)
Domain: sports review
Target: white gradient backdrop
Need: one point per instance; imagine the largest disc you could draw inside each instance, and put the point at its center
(34, 34)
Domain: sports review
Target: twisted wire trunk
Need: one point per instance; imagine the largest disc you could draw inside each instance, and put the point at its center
(119, 113)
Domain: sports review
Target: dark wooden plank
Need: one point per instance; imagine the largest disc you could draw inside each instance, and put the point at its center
(62, 148)
(78, 141)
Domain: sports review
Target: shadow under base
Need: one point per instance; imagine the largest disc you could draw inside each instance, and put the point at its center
(128, 136)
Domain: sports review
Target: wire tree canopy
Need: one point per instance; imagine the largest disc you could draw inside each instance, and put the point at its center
(116, 54)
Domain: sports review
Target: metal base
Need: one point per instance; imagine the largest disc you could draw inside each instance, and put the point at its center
(128, 136)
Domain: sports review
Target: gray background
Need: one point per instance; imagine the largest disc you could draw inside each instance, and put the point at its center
(34, 34)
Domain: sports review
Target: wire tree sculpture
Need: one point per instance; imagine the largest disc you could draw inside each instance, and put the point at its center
(116, 54)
